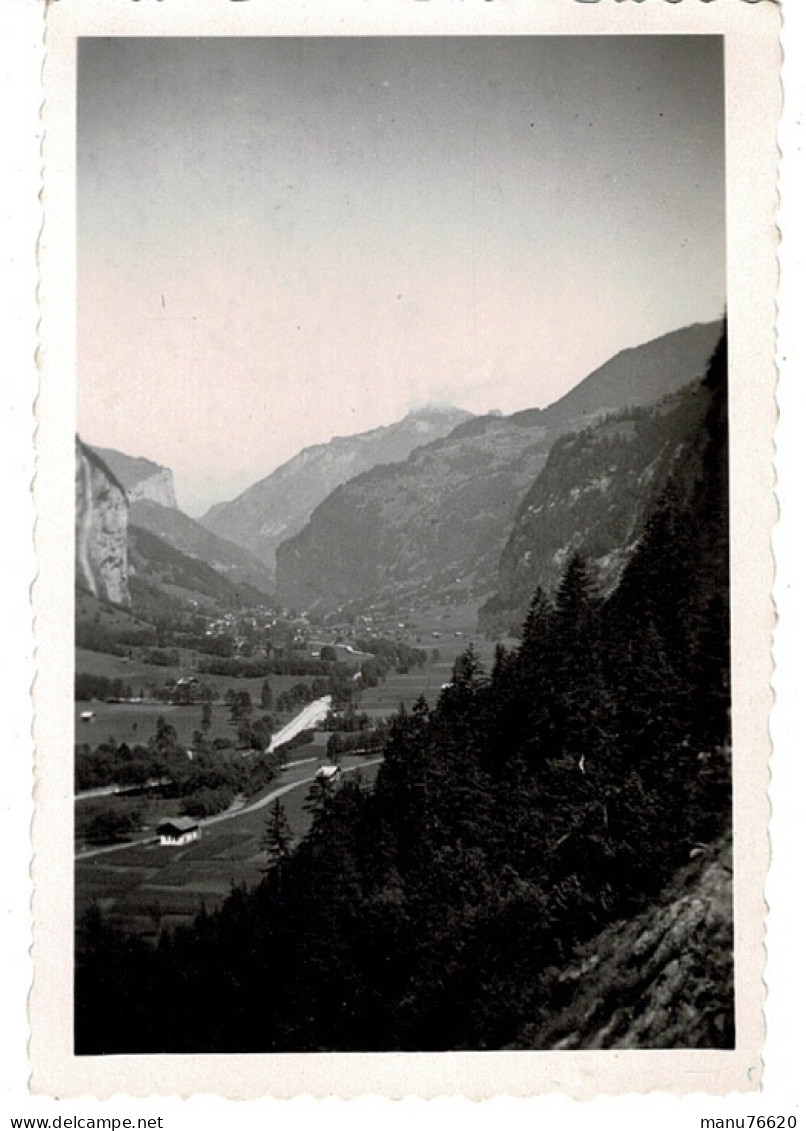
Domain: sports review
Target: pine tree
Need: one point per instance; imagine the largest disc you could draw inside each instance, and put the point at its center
(277, 837)
(316, 800)
(528, 718)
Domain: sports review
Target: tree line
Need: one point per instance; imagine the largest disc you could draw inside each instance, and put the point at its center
(531, 807)
(200, 782)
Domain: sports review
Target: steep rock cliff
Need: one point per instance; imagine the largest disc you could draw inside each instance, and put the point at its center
(141, 478)
(102, 517)
(152, 506)
(661, 980)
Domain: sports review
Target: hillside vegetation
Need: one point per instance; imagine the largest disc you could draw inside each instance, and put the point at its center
(163, 579)
(592, 497)
(278, 506)
(443, 516)
(535, 808)
(189, 537)
(663, 979)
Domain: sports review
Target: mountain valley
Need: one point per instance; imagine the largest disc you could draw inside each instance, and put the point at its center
(480, 860)
(275, 508)
(440, 520)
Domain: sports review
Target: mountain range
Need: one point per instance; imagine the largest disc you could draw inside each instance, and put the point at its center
(120, 562)
(515, 852)
(133, 542)
(440, 503)
(278, 506)
(152, 502)
(440, 520)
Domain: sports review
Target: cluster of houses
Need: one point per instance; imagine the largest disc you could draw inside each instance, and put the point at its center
(280, 635)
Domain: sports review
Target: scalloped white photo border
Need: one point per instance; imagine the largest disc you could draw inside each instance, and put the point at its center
(752, 66)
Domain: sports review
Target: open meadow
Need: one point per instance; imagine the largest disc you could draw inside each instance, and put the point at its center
(140, 676)
(443, 632)
(135, 722)
(146, 887)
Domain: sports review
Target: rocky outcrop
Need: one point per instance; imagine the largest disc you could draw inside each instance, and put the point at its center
(278, 506)
(102, 517)
(661, 980)
(141, 478)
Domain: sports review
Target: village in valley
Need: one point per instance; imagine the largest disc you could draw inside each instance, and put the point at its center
(380, 705)
(185, 746)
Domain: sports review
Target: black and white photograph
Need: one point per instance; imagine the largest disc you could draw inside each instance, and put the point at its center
(415, 430)
(402, 681)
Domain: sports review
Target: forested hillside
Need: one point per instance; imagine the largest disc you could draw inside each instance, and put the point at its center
(237, 565)
(443, 516)
(534, 808)
(278, 506)
(162, 579)
(593, 496)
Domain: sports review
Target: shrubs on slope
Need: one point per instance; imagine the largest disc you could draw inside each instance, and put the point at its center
(532, 807)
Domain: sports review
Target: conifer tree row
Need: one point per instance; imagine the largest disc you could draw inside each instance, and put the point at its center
(531, 807)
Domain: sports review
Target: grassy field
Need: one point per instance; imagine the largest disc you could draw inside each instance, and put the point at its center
(89, 609)
(135, 723)
(141, 676)
(444, 630)
(147, 887)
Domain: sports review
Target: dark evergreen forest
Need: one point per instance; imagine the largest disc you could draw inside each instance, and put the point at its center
(533, 806)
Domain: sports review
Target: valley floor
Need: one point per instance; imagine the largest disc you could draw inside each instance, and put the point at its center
(145, 886)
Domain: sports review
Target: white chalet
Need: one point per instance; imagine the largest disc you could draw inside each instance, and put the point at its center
(175, 831)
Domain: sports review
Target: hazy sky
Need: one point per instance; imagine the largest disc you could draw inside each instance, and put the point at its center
(281, 240)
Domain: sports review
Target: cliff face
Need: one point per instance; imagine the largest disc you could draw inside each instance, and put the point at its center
(102, 519)
(141, 478)
(149, 489)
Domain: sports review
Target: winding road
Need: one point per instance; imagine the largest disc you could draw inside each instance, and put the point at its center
(230, 814)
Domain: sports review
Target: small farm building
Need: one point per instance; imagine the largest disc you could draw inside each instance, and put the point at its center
(175, 831)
